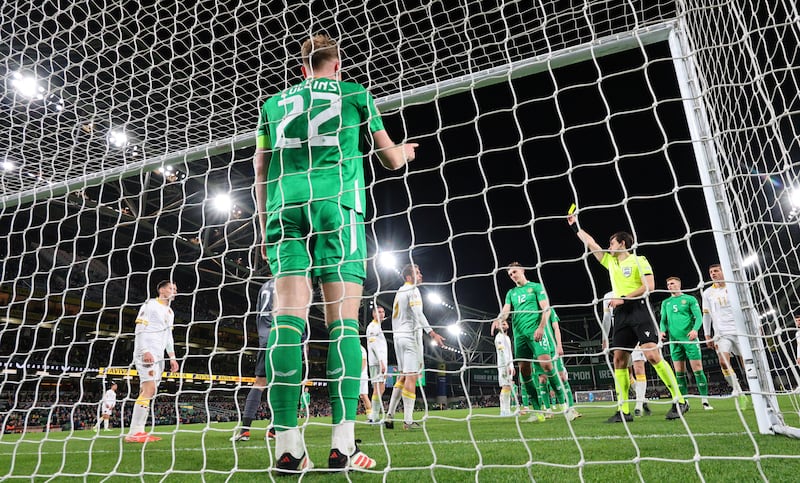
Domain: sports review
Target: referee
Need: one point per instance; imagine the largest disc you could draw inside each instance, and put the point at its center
(631, 280)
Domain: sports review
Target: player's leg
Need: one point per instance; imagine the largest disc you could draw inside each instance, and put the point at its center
(545, 361)
(523, 350)
(287, 233)
(409, 391)
(283, 368)
(149, 374)
(700, 379)
(106, 418)
(623, 340)
(377, 379)
(725, 346)
(571, 413)
(342, 300)
(253, 399)
(363, 393)
(622, 380)
(678, 353)
(640, 381)
(397, 392)
(96, 426)
(648, 343)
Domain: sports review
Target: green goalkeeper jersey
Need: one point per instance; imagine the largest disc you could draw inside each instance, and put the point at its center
(316, 131)
(679, 315)
(524, 302)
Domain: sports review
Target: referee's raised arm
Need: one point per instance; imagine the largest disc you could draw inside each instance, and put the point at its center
(586, 238)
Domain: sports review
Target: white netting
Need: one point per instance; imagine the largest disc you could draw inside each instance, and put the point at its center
(545, 104)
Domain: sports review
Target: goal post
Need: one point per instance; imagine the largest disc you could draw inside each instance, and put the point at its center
(756, 368)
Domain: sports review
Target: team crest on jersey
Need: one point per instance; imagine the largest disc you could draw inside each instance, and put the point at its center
(683, 302)
(530, 290)
(627, 271)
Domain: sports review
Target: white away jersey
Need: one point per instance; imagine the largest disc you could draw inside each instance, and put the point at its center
(377, 348)
(407, 316)
(154, 329)
(110, 399)
(505, 355)
(717, 305)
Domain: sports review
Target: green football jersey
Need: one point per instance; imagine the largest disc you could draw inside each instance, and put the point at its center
(680, 315)
(524, 302)
(316, 131)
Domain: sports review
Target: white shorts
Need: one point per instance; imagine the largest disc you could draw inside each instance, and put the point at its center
(363, 387)
(503, 378)
(105, 411)
(409, 355)
(728, 343)
(149, 372)
(375, 375)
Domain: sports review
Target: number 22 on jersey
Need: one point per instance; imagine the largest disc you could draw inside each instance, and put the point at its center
(297, 108)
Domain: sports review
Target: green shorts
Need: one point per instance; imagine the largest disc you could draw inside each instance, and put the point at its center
(525, 347)
(321, 240)
(685, 352)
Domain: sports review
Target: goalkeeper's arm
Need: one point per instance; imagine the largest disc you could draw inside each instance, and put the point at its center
(393, 156)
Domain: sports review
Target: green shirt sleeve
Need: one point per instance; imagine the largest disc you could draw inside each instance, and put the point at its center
(372, 114)
(262, 134)
(663, 323)
(696, 313)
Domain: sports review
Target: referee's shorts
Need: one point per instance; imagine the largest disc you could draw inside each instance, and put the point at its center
(633, 325)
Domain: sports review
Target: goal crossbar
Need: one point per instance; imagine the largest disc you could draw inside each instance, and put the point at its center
(602, 46)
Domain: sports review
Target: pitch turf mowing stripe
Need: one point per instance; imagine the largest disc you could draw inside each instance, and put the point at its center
(153, 447)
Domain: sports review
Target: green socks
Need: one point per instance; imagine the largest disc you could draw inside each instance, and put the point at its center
(682, 384)
(284, 369)
(344, 369)
(702, 382)
(533, 392)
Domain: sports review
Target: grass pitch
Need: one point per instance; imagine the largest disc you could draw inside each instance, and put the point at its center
(452, 446)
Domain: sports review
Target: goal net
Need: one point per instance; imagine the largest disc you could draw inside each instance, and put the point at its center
(129, 133)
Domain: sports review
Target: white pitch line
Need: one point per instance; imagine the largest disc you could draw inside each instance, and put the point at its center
(152, 447)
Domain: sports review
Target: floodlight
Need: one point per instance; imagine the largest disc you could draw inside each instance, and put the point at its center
(387, 260)
(794, 198)
(222, 202)
(27, 86)
(117, 138)
(454, 329)
(434, 298)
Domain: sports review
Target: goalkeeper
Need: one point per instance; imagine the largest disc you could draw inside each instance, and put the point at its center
(310, 200)
(631, 280)
(681, 318)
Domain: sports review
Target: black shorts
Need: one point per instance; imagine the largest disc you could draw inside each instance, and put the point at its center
(261, 367)
(633, 325)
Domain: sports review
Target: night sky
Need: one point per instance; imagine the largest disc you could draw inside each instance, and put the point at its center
(469, 180)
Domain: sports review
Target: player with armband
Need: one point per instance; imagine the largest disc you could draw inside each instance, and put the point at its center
(310, 192)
